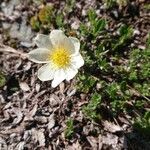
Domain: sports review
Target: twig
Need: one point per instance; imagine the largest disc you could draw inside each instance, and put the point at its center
(139, 93)
(4, 48)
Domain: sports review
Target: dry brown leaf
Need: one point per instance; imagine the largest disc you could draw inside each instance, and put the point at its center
(110, 140)
(38, 136)
(111, 127)
(75, 146)
(54, 100)
(41, 138)
(19, 117)
(51, 121)
(100, 143)
(24, 86)
(30, 115)
(93, 142)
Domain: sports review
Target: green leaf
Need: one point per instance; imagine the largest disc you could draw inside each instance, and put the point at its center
(2, 79)
(126, 34)
(148, 42)
(84, 29)
(142, 124)
(34, 22)
(69, 129)
(109, 3)
(92, 15)
(99, 26)
(85, 83)
(90, 110)
(59, 20)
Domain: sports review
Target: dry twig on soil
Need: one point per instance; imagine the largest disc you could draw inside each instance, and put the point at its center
(4, 48)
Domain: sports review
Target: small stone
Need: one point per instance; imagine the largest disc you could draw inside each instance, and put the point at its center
(24, 86)
(75, 25)
(141, 47)
(136, 32)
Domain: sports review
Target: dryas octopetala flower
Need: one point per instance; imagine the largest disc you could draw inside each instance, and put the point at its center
(61, 55)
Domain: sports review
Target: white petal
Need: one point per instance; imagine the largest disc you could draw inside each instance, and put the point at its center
(43, 41)
(77, 61)
(70, 73)
(59, 76)
(59, 39)
(76, 43)
(46, 72)
(39, 55)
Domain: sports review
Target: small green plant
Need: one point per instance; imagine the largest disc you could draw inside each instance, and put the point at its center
(109, 3)
(112, 90)
(96, 25)
(147, 6)
(148, 42)
(86, 82)
(91, 110)
(125, 79)
(69, 129)
(59, 20)
(42, 19)
(139, 70)
(69, 5)
(34, 22)
(118, 96)
(142, 124)
(45, 14)
(2, 79)
(122, 2)
(125, 34)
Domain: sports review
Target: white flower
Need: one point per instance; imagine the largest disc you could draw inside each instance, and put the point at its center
(61, 55)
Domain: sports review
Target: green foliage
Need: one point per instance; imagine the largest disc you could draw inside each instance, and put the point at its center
(69, 129)
(96, 25)
(142, 124)
(92, 15)
(147, 6)
(45, 14)
(122, 2)
(118, 95)
(139, 103)
(143, 87)
(59, 20)
(139, 70)
(110, 3)
(86, 82)
(103, 64)
(125, 34)
(112, 90)
(148, 42)
(91, 110)
(103, 54)
(34, 22)
(38, 2)
(45, 18)
(69, 5)
(2, 79)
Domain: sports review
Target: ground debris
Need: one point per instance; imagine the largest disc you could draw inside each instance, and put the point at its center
(33, 115)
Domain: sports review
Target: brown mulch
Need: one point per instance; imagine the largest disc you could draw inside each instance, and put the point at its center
(32, 114)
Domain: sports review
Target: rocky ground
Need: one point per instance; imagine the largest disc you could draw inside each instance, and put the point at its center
(35, 116)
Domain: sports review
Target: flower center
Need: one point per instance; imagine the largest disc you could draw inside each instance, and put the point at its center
(60, 58)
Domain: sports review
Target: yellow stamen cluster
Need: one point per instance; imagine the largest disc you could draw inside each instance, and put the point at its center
(60, 58)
